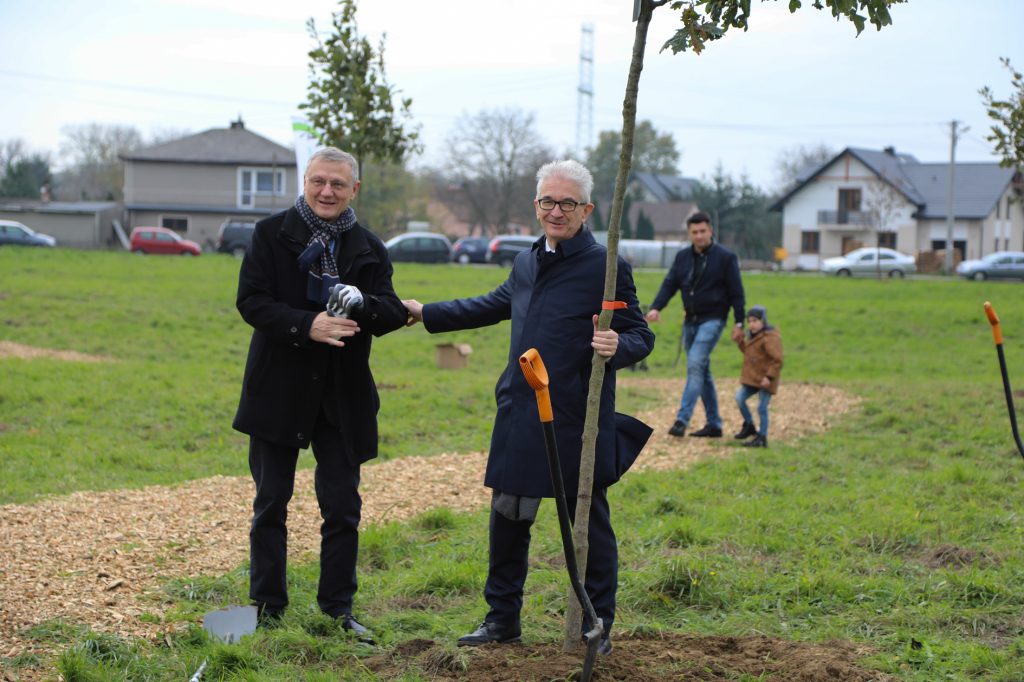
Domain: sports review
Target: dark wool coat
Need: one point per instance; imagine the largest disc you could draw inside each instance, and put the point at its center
(762, 357)
(286, 371)
(551, 305)
(709, 296)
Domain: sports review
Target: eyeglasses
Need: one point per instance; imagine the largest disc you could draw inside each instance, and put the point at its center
(319, 183)
(567, 205)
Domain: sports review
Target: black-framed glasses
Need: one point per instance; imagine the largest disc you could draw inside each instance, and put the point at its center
(320, 183)
(567, 205)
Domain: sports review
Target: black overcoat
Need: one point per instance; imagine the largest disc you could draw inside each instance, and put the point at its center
(286, 371)
(551, 304)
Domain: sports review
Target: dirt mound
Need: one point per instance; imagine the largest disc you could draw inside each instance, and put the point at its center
(951, 556)
(638, 659)
(9, 349)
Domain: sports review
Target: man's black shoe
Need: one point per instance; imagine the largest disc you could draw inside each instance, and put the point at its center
(605, 648)
(747, 431)
(678, 429)
(758, 442)
(492, 632)
(707, 432)
(267, 620)
(350, 624)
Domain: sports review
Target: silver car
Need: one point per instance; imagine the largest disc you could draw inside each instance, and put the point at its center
(869, 261)
(999, 265)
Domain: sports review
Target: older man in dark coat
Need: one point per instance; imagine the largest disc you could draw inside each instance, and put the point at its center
(552, 296)
(307, 378)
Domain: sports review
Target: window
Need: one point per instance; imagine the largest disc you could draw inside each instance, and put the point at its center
(258, 182)
(164, 237)
(887, 240)
(849, 201)
(810, 242)
(178, 223)
(886, 256)
(867, 257)
(146, 235)
(15, 231)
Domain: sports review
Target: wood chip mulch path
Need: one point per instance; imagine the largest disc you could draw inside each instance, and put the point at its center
(89, 557)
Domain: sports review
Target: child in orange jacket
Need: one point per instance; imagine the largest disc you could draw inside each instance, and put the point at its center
(762, 362)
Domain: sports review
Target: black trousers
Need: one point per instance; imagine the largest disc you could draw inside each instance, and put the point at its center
(337, 492)
(509, 551)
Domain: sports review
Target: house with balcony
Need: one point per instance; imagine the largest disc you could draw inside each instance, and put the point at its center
(196, 183)
(867, 197)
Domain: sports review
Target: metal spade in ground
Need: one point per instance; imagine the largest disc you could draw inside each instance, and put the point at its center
(997, 334)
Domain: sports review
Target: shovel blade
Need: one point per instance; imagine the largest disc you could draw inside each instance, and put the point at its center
(230, 624)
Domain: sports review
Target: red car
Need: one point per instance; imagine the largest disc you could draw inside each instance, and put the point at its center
(161, 240)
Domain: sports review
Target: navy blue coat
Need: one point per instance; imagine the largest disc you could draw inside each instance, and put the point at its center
(551, 305)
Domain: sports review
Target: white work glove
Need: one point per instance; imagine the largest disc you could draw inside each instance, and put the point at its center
(346, 300)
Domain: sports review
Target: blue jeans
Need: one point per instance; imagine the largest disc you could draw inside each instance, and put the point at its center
(763, 398)
(699, 340)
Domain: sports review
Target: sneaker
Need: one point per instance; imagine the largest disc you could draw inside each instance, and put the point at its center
(678, 429)
(707, 432)
(489, 633)
(362, 633)
(747, 431)
(758, 442)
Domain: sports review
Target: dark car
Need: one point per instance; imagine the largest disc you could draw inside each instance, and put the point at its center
(470, 250)
(235, 237)
(503, 250)
(160, 240)
(419, 247)
(15, 234)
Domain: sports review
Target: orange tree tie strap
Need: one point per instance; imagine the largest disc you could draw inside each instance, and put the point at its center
(612, 305)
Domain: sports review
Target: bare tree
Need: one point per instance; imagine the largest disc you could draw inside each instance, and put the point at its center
(790, 162)
(94, 167)
(492, 158)
(884, 201)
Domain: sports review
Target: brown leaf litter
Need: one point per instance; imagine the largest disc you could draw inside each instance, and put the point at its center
(9, 349)
(90, 557)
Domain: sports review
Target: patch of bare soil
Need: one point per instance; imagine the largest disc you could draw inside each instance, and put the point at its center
(9, 349)
(636, 659)
(90, 557)
(951, 556)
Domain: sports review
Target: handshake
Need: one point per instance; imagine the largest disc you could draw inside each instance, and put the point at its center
(345, 301)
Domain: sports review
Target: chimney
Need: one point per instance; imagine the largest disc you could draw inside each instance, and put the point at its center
(239, 124)
(891, 151)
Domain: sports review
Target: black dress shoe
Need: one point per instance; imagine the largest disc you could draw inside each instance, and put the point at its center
(362, 633)
(707, 432)
(758, 442)
(492, 632)
(747, 431)
(267, 620)
(605, 648)
(678, 429)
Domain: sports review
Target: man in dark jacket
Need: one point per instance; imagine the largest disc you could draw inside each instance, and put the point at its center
(551, 295)
(307, 378)
(708, 275)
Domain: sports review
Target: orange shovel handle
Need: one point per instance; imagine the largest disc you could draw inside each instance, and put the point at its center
(997, 333)
(537, 376)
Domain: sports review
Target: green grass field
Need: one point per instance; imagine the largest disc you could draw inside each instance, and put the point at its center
(828, 537)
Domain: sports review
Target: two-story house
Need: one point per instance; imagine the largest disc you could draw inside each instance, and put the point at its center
(865, 197)
(194, 184)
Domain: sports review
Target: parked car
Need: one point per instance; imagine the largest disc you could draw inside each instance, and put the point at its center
(866, 261)
(999, 265)
(160, 240)
(419, 247)
(504, 249)
(234, 237)
(15, 234)
(470, 250)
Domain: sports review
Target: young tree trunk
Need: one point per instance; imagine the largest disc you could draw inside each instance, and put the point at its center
(581, 526)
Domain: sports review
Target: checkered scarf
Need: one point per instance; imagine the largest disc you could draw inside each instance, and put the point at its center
(318, 258)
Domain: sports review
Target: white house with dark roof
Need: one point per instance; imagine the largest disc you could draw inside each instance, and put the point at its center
(198, 182)
(835, 207)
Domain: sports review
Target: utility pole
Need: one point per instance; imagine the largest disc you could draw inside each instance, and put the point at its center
(585, 107)
(953, 134)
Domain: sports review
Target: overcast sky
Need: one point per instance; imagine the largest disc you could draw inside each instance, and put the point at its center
(791, 79)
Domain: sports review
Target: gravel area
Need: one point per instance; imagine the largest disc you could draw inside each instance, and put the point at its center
(90, 557)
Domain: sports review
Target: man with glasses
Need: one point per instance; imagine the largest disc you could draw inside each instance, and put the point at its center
(307, 377)
(552, 295)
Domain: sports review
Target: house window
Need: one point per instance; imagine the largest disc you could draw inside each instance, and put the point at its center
(849, 202)
(178, 223)
(887, 240)
(810, 242)
(258, 182)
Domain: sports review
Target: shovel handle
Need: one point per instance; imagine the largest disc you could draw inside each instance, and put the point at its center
(537, 376)
(997, 333)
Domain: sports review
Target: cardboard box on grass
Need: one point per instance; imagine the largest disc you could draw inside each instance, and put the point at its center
(453, 355)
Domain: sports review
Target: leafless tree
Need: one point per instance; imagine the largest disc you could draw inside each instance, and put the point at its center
(492, 159)
(92, 154)
(790, 162)
(884, 201)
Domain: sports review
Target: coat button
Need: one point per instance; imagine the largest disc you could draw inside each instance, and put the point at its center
(300, 436)
(295, 330)
(296, 345)
(374, 316)
(316, 376)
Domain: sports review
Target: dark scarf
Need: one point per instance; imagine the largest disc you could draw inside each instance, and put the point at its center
(318, 259)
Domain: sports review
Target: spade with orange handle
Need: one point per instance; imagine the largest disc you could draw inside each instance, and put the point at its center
(997, 334)
(537, 376)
